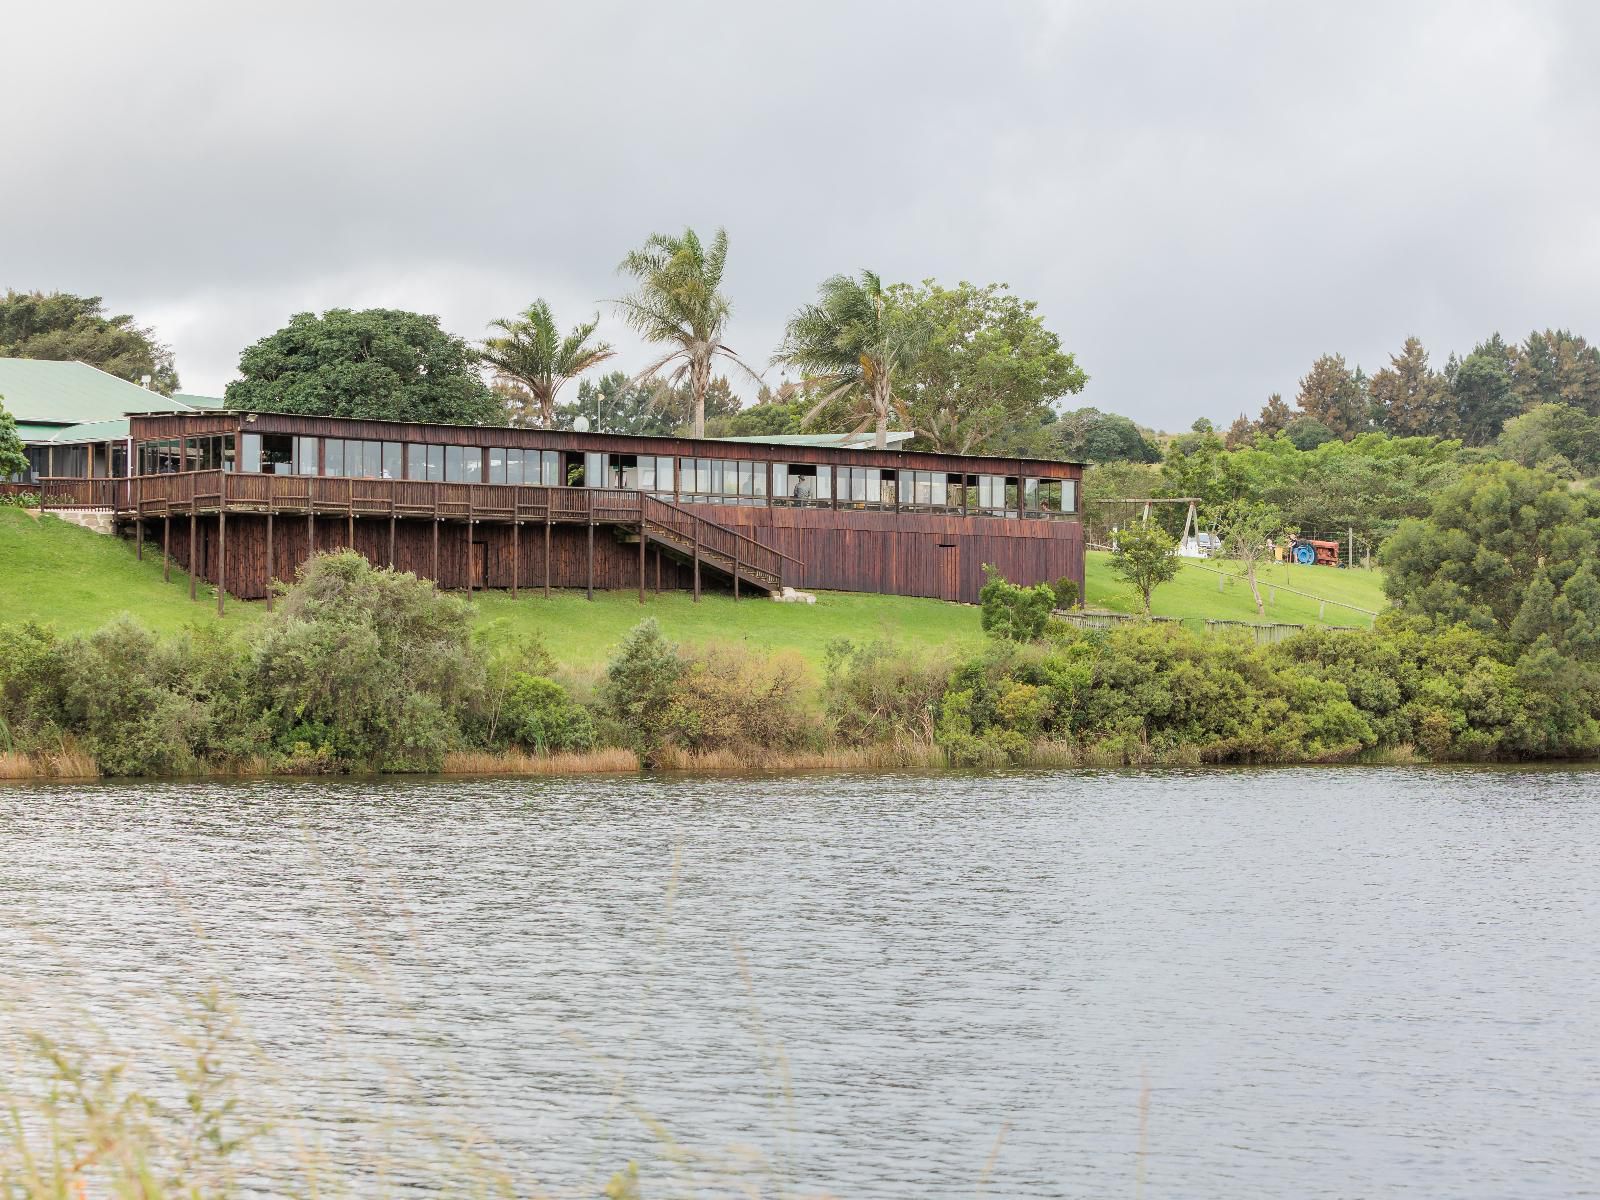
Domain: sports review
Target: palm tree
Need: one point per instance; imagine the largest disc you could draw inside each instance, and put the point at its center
(534, 357)
(851, 346)
(678, 303)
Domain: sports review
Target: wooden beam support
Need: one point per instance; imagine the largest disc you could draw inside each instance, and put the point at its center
(736, 571)
(192, 540)
(435, 571)
(139, 539)
(697, 562)
(516, 552)
(547, 552)
(166, 541)
(472, 560)
(391, 535)
(591, 549)
(222, 557)
(641, 560)
(269, 560)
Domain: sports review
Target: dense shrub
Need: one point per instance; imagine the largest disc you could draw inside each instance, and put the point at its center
(637, 692)
(366, 667)
(1011, 611)
(538, 715)
(875, 692)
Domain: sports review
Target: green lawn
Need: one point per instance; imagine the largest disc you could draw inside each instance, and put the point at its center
(76, 580)
(1195, 592)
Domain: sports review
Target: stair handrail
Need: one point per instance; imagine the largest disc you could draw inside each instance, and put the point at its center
(717, 525)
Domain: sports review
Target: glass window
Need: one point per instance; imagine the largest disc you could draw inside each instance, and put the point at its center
(227, 445)
(1069, 495)
(647, 472)
(938, 490)
(497, 464)
(780, 480)
(455, 464)
(1030, 494)
(594, 470)
(305, 456)
(250, 454)
(416, 461)
(393, 456)
(372, 460)
(517, 462)
(277, 454)
(550, 468)
(760, 478)
(332, 456)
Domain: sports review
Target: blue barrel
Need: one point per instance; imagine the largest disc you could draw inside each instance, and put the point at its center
(1305, 555)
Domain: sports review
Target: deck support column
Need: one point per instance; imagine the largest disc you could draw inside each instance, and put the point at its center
(166, 541)
(222, 557)
(139, 539)
(547, 553)
(472, 560)
(736, 572)
(435, 571)
(697, 562)
(391, 539)
(516, 554)
(658, 570)
(641, 560)
(311, 534)
(591, 552)
(192, 540)
(269, 560)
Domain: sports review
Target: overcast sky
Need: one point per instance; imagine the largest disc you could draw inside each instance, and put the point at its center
(1202, 198)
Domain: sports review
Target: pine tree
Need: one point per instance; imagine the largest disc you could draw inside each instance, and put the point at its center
(1409, 398)
(1275, 416)
(1332, 394)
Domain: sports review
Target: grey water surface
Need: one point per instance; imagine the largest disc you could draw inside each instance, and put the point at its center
(1308, 983)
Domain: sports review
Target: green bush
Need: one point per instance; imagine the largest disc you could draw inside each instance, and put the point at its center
(639, 686)
(730, 699)
(540, 716)
(874, 692)
(1066, 592)
(1010, 611)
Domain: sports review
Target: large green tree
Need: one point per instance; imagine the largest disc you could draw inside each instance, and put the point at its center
(1483, 396)
(65, 327)
(1505, 549)
(987, 365)
(376, 363)
(530, 353)
(678, 302)
(1332, 394)
(1557, 367)
(1091, 436)
(13, 461)
(1410, 398)
(853, 347)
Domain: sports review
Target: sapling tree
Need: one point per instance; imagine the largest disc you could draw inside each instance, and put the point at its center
(1247, 528)
(1145, 556)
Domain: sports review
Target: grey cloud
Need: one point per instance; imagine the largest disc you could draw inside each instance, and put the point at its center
(1201, 197)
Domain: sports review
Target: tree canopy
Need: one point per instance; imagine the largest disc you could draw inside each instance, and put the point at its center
(376, 363)
(986, 365)
(530, 353)
(63, 327)
(678, 302)
(1091, 436)
(13, 460)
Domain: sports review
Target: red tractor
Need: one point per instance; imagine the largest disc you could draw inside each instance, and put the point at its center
(1314, 552)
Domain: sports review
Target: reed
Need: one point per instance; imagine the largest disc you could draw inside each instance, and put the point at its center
(609, 761)
(67, 763)
(887, 756)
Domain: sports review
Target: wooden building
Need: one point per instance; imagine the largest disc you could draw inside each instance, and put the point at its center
(247, 497)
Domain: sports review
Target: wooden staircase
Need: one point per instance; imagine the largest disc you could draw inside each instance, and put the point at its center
(692, 538)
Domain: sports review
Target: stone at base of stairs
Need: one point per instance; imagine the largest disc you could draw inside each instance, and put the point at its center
(95, 520)
(789, 596)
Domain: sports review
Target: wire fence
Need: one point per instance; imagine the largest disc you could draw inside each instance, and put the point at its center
(1264, 633)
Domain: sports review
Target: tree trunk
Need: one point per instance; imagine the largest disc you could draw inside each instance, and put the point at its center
(700, 380)
(880, 409)
(1250, 570)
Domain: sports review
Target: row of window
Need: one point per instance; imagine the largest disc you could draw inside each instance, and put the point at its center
(701, 480)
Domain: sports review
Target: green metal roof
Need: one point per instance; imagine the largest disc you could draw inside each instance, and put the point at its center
(854, 440)
(43, 392)
(194, 401)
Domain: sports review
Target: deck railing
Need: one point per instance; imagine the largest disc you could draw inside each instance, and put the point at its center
(337, 496)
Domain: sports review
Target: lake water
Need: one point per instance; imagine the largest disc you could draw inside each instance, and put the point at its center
(1308, 983)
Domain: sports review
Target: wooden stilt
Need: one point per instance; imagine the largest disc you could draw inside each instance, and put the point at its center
(591, 554)
(435, 571)
(311, 534)
(547, 558)
(139, 539)
(736, 572)
(658, 570)
(166, 542)
(516, 552)
(350, 530)
(391, 540)
(472, 560)
(222, 557)
(641, 562)
(697, 562)
(192, 540)
(269, 561)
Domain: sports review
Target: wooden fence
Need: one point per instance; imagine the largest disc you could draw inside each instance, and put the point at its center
(1264, 633)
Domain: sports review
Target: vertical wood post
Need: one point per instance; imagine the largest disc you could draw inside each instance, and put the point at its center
(391, 534)
(269, 560)
(222, 556)
(641, 556)
(166, 541)
(697, 561)
(192, 540)
(591, 549)
(435, 571)
(472, 559)
(547, 552)
(139, 539)
(736, 570)
(658, 570)
(516, 552)
(311, 534)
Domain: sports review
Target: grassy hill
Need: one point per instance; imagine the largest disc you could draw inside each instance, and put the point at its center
(57, 573)
(1196, 592)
